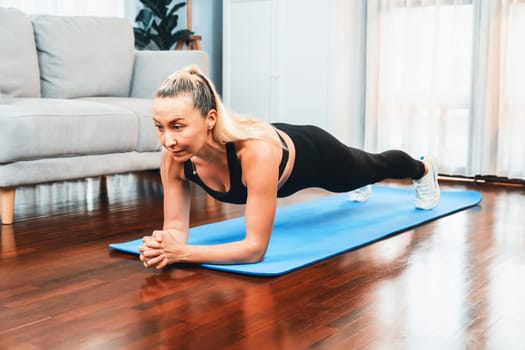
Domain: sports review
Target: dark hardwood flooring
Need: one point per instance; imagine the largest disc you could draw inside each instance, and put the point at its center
(454, 283)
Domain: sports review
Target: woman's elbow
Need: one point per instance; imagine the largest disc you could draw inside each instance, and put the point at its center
(255, 258)
(256, 253)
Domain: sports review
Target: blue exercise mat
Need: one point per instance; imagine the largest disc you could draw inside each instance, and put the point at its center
(310, 231)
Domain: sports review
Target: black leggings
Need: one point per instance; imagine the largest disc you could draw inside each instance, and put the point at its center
(323, 161)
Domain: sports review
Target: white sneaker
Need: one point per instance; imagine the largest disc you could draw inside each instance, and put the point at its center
(427, 188)
(361, 194)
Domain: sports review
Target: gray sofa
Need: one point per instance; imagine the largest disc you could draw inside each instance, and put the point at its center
(76, 99)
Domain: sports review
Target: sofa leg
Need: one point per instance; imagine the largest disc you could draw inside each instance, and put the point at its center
(7, 204)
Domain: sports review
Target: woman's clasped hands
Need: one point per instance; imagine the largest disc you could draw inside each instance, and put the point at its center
(159, 250)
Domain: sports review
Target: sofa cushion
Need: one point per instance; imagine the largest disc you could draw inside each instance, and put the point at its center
(147, 139)
(151, 68)
(84, 56)
(60, 169)
(19, 75)
(32, 128)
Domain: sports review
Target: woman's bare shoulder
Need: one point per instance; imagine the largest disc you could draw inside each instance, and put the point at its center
(258, 152)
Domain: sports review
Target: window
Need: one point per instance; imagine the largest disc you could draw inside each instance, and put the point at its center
(445, 77)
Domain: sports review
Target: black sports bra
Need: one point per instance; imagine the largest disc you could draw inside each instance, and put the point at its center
(238, 193)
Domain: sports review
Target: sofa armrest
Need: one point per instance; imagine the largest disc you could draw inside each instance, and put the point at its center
(151, 68)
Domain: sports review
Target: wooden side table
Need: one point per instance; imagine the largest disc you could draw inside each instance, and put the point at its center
(192, 43)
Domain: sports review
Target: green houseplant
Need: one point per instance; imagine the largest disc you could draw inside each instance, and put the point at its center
(155, 25)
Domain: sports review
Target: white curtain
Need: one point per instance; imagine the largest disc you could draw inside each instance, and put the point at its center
(445, 77)
(112, 8)
(499, 94)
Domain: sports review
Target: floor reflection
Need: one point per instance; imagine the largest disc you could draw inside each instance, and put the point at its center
(463, 287)
(8, 248)
(506, 273)
(432, 283)
(89, 195)
(227, 311)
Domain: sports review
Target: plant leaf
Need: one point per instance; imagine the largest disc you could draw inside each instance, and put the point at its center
(157, 22)
(156, 27)
(175, 8)
(146, 18)
(141, 38)
(157, 6)
(140, 15)
(167, 40)
(157, 39)
(170, 23)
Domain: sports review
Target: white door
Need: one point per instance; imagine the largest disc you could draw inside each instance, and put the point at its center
(247, 57)
(277, 56)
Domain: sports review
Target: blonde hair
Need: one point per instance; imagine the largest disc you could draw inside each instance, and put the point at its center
(228, 127)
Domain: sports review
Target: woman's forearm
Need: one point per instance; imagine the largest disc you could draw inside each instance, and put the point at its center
(163, 249)
(228, 253)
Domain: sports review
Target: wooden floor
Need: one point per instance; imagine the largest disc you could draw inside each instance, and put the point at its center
(455, 283)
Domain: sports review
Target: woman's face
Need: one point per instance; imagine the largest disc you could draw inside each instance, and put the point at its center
(180, 126)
